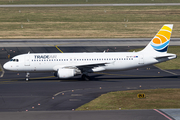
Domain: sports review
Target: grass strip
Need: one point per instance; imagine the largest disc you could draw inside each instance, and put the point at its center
(87, 22)
(124, 100)
(83, 1)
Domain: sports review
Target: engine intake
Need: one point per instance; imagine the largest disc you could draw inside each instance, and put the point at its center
(65, 73)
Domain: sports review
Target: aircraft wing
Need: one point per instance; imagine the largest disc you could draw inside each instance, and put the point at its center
(83, 67)
(89, 67)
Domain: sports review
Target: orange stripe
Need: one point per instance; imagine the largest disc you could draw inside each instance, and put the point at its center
(165, 33)
(156, 41)
(163, 39)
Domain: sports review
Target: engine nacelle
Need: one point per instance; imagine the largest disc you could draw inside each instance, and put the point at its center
(65, 73)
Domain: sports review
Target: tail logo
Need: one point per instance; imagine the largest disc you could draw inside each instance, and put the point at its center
(161, 41)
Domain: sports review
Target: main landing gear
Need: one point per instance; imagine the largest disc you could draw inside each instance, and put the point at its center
(27, 76)
(85, 77)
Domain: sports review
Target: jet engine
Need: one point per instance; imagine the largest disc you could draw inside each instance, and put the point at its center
(65, 73)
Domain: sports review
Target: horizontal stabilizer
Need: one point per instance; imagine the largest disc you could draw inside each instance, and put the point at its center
(165, 56)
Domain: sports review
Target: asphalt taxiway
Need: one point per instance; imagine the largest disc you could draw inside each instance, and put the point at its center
(80, 42)
(48, 96)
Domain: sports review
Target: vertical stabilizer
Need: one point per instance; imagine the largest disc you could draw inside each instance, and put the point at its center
(160, 42)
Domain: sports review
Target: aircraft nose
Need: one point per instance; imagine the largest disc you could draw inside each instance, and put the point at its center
(6, 66)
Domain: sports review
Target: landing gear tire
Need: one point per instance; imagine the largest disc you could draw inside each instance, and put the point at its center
(27, 79)
(85, 77)
(27, 76)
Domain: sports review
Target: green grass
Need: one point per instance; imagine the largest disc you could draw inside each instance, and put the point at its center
(83, 1)
(92, 14)
(124, 100)
(171, 64)
(87, 22)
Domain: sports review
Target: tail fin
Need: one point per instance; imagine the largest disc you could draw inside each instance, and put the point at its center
(160, 42)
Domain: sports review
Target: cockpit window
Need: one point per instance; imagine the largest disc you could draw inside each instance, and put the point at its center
(15, 60)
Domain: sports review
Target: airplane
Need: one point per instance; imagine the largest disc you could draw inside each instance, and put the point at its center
(67, 65)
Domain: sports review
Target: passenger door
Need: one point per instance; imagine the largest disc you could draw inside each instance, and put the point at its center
(141, 59)
(27, 60)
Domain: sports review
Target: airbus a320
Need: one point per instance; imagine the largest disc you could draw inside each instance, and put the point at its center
(66, 65)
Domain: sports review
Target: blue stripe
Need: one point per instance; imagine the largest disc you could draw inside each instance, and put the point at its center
(163, 50)
(160, 47)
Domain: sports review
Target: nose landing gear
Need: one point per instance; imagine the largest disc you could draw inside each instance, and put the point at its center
(27, 76)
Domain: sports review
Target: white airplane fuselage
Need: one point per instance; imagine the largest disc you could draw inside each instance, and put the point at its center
(66, 65)
(50, 62)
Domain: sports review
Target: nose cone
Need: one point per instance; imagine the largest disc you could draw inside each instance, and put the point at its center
(6, 66)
